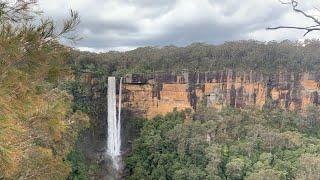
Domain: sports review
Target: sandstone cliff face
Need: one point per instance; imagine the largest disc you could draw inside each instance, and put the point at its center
(160, 93)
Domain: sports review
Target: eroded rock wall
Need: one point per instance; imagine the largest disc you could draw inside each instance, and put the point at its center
(160, 93)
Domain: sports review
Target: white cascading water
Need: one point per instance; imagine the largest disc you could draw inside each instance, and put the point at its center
(114, 124)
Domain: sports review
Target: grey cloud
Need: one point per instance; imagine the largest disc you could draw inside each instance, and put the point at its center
(131, 23)
(148, 3)
(102, 27)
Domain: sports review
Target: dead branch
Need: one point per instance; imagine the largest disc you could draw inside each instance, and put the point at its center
(295, 8)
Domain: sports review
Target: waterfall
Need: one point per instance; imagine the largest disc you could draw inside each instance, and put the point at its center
(114, 124)
(119, 112)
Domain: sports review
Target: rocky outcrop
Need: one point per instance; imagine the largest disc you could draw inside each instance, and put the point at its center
(160, 93)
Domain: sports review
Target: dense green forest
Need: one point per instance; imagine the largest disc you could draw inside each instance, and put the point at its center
(261, 57)
(235, 144)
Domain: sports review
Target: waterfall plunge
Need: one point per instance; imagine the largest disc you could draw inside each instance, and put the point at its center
(114, 126)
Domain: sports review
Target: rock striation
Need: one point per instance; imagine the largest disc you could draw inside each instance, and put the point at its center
(160, 93)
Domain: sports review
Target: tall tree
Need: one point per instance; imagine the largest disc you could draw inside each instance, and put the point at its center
(37, 124)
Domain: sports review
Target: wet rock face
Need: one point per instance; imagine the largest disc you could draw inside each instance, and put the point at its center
(163, 92)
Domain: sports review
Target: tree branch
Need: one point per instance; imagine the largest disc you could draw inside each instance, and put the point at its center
(308, 29)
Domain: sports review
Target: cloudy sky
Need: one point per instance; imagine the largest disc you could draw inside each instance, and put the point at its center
(127, 24)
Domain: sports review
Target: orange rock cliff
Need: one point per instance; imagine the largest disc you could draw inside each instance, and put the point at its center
(160, 93)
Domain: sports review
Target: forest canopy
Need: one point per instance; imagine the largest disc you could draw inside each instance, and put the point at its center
(235, 144)
(266, 58)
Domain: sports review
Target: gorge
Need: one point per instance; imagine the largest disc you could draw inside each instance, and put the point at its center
(149, 95)
(150, 88)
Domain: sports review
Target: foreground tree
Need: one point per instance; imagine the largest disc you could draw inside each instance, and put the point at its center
(37, 125)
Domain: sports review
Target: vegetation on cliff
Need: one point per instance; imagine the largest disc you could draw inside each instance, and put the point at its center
(266, 58)
(38, 126)
(231, 144)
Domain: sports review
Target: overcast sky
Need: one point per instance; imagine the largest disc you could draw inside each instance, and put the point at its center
(127, 24)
